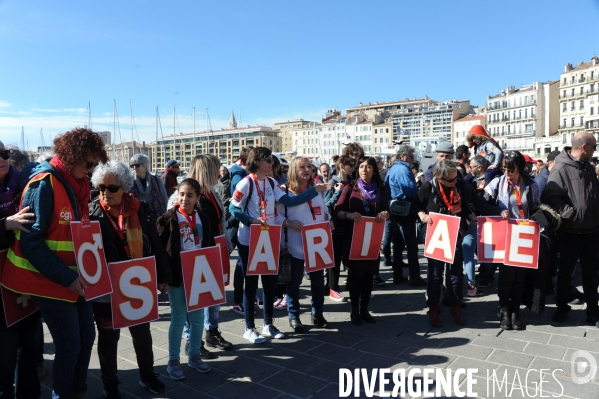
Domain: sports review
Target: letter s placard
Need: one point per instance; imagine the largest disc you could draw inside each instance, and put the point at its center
(134, 298)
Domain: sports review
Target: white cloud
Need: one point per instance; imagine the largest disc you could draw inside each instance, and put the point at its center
(4, 103)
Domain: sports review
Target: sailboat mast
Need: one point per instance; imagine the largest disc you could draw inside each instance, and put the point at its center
(89, 114)
(22, 138)
(131, 117)
(194, 132)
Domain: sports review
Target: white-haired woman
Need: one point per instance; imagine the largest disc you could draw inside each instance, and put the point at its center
(128, 229)
(147, 187)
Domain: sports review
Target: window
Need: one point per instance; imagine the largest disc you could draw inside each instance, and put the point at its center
(564, 139)
(564, 81)
(564, 124)
(525, 113)
(572, 125)
(582, 90)
(564, 94)
(572, 92)
(592, 110)
(581, 104)
(581, 121)
(528, 127)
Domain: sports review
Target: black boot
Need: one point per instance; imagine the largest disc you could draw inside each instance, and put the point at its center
(354, 316)
(506, 319)
(214, 339)
(516, 323)
(205, 353)
(366, 316)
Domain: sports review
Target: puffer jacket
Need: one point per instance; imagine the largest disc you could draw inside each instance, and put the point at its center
(573, 190)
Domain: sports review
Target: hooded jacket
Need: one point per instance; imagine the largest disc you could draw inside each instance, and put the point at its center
(573, 190)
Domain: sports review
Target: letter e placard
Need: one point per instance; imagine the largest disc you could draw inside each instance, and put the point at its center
(522, 244)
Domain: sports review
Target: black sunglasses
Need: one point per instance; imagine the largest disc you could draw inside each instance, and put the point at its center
(135, 165)
(112, 188)
(5, 154)
(509, 170)
(90, 165)
(269, 159)
(449, 180)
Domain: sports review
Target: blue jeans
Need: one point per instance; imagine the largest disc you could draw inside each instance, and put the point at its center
(179, 316)
(72, 328)
(435, 279)
(238, 281)
(398, 247)
(269, 283)
(407, 227)
(293, 289)
(18, 351)
(469, 249)
(211, 317)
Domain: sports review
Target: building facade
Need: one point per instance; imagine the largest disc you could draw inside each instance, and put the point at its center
(285, 129)
(124, 151)
(462, 126)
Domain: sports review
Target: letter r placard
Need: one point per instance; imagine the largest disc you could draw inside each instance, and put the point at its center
(318, 246)
(89, 252)
(522, 244)
(134, 298)
(367, 239)
(441, 237)
(265, 248)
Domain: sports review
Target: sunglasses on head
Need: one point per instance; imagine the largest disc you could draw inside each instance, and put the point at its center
(5, 154)
(449, 180)
(90, 165)
(135, 165)
(112, 188)
(269, 159)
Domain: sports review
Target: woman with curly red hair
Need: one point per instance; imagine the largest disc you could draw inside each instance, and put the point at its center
(41, 262)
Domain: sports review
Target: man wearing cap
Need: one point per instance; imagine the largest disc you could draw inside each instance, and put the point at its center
(529, 163)
(169, 176)
(445, 151)
(543, 174)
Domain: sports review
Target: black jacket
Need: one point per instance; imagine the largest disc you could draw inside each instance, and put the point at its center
(114, 250)
(168, 230)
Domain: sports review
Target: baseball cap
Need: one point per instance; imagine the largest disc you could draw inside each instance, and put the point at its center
(552, 155)
(172, 163)
(528, 159)
(445, 146)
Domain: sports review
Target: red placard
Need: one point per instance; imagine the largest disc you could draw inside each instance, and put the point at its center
(221, 243)
(16, 306)
(203, 278)
(367, 239)
(89, 252)
(441, 237)
(134, 297)
(318, 246)
(492, 231)
(522, 244)
(265, 247)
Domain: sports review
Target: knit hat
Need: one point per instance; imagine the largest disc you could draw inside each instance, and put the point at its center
(478, 130)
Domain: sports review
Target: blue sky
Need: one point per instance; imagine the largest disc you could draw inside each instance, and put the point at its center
(271, 60)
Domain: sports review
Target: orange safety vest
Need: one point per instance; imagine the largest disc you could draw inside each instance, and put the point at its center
(21, 276)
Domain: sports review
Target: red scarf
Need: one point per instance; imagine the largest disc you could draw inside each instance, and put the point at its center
(80, 187)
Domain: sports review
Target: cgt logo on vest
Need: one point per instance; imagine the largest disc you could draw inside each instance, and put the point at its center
(65, 214)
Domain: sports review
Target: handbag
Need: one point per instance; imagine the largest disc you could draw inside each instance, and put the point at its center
(399, 207)
(284, 259)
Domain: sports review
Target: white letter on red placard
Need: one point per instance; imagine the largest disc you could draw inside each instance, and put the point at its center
(93, 248)
(320, 248)
(488, 245)
(367, 238)
(136, 292)
(263, 253)
(518, 242)
(201, 268)
(440, 240)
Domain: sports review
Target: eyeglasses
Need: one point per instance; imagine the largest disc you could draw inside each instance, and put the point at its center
(269, 159)
(5, 154)
(175, 167)
(112, 188)
(135, 165)
(449, 180)
(509, 170)
(91, 165)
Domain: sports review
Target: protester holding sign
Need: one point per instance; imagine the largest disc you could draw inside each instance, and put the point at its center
(517, 195)
(314, 211)
(183, 228)
(42, 262)
(366, 197)
(446, 194)
(128, 229)
(253, 202)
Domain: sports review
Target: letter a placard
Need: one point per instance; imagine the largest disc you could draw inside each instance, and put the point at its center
(203, 278)
(441, 237)
(522, 244)
(265, 246)
(491, 239)
(221, 243)
(89, 252)
(367, 239)
(318, 246)
(17, 306)
(134, 298)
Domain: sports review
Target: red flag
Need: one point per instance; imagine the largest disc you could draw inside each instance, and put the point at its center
(89, 252)
(441, 237)
(318, 246)
(265, 247)
(367, 239)
(203, 278)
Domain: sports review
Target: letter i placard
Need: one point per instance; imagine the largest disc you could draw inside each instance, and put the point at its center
(91, 262)
(522, 240)
(203, 278)
(135, 297)
(318, 246)
(367, 239)
(265, 248)
(16, 306)
(441, 237)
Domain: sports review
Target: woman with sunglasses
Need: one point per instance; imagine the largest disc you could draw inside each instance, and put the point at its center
(517, 194)
(128, 228)
(345, 168)
(253, 202)
(147, 187)
(446, 194)
(42, 263)
(366, 197)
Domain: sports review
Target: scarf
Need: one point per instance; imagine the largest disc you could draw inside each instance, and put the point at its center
(10, 193)
(370, 191)
(130, 221)
(80, 187)
(150, 193)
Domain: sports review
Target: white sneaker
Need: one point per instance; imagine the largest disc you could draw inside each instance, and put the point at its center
(270, 330)
(252, 335)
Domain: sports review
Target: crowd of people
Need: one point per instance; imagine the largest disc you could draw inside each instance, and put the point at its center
(143, 215)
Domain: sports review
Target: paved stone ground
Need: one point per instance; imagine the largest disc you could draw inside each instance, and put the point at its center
(307, 365)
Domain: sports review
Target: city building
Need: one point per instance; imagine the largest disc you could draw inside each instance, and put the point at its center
(224, 143)
(579, 100)
(462, 126)
(306, 141)
(285, 129)
(124, 151)
(106, 135)
(518, 117)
